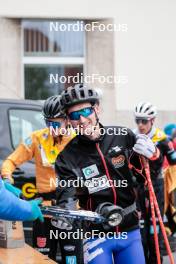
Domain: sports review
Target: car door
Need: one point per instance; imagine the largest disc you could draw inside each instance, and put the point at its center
(18, 120)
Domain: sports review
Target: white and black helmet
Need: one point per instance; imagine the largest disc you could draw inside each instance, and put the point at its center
(145, 110)
(79, 93)
(53, 107)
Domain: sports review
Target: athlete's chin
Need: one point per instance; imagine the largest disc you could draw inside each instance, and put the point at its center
(142, 131)
(86, 128)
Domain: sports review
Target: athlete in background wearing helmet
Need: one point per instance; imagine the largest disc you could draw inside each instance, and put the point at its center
(99, 157)
(170, 131)
(43, 146)
(145, 114)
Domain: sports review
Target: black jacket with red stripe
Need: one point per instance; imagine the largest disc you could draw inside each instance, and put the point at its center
(91, 164)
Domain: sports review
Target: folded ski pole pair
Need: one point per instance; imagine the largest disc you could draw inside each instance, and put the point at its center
(155, 208)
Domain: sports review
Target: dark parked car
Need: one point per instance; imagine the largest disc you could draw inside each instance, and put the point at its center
(18, 119)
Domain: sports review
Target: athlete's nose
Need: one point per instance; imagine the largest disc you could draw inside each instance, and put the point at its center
(82, 119)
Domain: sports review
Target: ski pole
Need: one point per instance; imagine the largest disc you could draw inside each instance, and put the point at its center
(145, 164)
(151, 190)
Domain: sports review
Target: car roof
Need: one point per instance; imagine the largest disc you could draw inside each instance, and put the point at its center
(21, 102)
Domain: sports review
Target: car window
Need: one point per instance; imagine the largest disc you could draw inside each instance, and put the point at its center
(23, 122)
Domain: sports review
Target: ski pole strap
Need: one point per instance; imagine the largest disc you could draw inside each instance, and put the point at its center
(129, 209)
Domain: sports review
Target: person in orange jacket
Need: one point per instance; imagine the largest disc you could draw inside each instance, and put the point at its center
(44, 146)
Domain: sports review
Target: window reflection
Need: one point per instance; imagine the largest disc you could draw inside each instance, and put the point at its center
(39, 40)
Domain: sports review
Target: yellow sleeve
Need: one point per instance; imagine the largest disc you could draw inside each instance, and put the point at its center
(23, 153)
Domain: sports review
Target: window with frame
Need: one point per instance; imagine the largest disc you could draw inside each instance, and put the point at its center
(23, 122)
(46, 53)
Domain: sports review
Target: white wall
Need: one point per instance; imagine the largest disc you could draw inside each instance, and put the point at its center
(147, 54)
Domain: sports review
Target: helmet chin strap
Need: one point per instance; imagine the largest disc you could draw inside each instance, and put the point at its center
(151, 133)
(97, 118)
(97, 121)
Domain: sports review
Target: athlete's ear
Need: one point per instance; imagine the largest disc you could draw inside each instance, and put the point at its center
(67, 119)
(152, 121)
(97, 109)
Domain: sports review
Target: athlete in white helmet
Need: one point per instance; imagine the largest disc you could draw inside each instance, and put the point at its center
(145, 110)
(145, 114)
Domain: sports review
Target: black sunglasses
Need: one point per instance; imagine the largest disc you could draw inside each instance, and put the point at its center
(143, 121)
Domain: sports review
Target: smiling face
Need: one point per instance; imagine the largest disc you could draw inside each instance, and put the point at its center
(86, 118)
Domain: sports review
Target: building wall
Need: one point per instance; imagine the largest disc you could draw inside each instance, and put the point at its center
(10, 58)
(146, 54)
(100, 61)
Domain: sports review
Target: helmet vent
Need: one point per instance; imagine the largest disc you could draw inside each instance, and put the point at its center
(73, 94)
(81, 86)
(90, 92)
(147, 109)
(82, 94)
(67, 98)
(141, 107)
